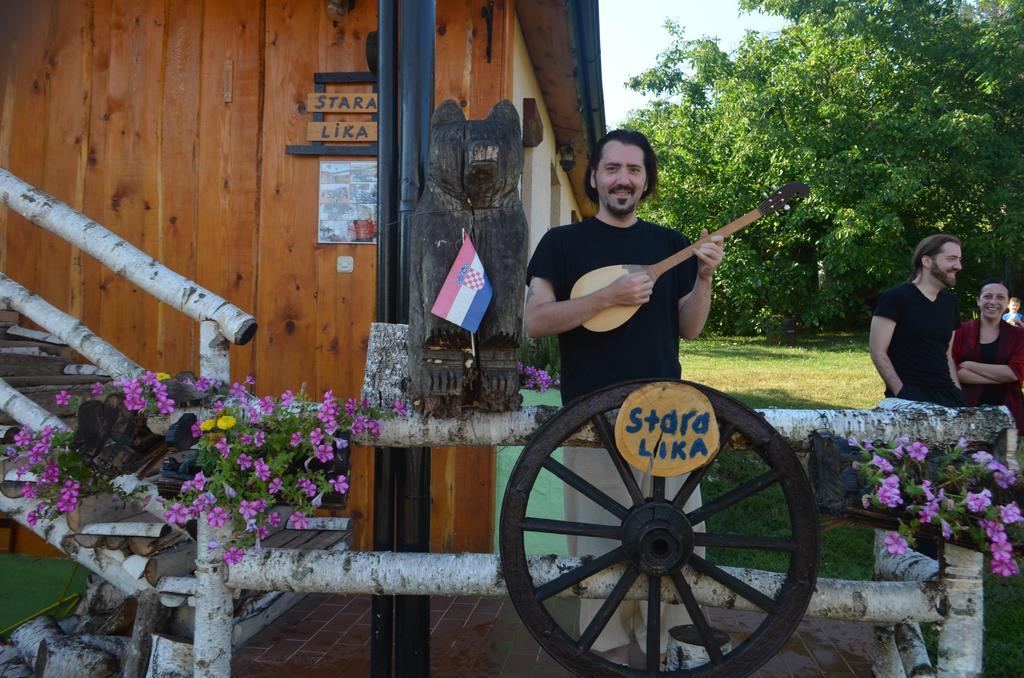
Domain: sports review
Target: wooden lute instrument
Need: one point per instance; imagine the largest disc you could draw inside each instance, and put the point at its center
(599, 278)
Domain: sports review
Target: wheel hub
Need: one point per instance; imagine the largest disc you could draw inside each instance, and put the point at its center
(657, 537)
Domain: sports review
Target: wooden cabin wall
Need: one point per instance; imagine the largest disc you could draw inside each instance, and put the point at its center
(166, 121)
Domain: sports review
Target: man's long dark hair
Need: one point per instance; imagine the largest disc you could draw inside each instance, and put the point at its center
(629, 138)
(929, 247)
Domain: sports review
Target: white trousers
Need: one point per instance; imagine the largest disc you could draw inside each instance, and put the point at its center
(629, 623)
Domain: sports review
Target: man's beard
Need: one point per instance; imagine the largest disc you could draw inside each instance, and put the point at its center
(620, 210)
(947, 279)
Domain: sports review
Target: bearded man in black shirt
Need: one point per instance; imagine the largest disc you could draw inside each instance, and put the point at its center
(620, 174)
(912, 329)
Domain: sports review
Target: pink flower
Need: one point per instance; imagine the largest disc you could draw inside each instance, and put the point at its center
(96, 390)
(929, 511)
(223, 446)
(218, 517)
(324, 453)
(199, 481)
(1001, 550)
(917, 451)
(275, 486)
(251, 509)
(177, 514)
(882, 463)
(233, 555)
(981, 457)
(400, 408)
(1010, 513)
(296, 439)
(947, 531)
(266, 405)
(262, 470)
(889, 492)
(196, 431)
(976, 503)
(273, 519)
(287, 398)
(63, 398)
(218, 407)
(1004, 568)
(244, 461)
(259, 438)
(237, 391)
(298, 520)
(307, 486)
(340, 484)
(895, 544)
(316, 436)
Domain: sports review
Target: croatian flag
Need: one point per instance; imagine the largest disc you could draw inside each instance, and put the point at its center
(466, 291)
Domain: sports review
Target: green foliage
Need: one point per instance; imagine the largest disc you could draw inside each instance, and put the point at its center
(904, 117)
(541, 353)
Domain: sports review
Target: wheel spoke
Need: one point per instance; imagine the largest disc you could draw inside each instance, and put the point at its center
(733, 496)
(607, 436)
(727, 580)
(691, 483)
(608, 608)
(586, 489)
(742, 541)
(653, 624)
(573, 577)
(697, 617)
(658, 488)
(569, 527)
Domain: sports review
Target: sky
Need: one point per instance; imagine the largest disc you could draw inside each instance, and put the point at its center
(632, 36)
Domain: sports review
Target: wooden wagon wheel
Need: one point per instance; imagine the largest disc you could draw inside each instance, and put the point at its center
(654, 538)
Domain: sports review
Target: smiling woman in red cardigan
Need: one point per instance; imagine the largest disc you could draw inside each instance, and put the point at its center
(989, 354)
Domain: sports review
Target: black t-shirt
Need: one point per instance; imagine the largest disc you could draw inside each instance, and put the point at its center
(991, 394)
(646, 345)
(921, 339)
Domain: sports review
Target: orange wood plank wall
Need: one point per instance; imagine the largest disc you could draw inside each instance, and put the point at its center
(167, 121)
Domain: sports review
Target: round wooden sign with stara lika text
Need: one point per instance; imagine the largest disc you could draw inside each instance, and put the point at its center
(666, 429)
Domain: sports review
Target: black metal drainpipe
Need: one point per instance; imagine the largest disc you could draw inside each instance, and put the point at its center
(412, 522)
(389, 279)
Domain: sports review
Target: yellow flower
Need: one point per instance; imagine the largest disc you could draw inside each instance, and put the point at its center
(208, 424)
(225, 422)
(160, 376)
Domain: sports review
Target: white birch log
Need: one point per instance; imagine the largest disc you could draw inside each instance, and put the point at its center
(932, 424)
(170, 657)
(913, 653)
(29, 635)
(887, 662)
(133, 528)
(106, 564)
(214, 604)
(386, 371)
(69, 657)
(963, 633)
(26, 412)
(125, 259)
(69, 329)
(911, 566)
(479, 574)
(214, 359)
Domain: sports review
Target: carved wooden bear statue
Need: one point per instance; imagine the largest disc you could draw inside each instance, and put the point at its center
(472, 185)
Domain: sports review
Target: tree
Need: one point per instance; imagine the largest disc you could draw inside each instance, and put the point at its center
(904, 116)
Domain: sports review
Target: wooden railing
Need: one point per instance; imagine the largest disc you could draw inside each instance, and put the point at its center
(220, 321)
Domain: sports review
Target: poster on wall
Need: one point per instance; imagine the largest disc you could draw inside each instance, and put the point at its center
(348, 201)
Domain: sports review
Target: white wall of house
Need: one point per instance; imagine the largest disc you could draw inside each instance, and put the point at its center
(547, 196)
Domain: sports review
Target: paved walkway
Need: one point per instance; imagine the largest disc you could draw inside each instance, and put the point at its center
(328, 635)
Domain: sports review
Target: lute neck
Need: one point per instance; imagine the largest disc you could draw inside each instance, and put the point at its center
(668, 263)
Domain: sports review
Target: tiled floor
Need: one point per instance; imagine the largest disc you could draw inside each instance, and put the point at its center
(328, 635)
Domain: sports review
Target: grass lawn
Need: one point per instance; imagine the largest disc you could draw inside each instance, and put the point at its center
(828, 371)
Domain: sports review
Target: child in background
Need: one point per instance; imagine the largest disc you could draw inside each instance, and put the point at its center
(1013, 316)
